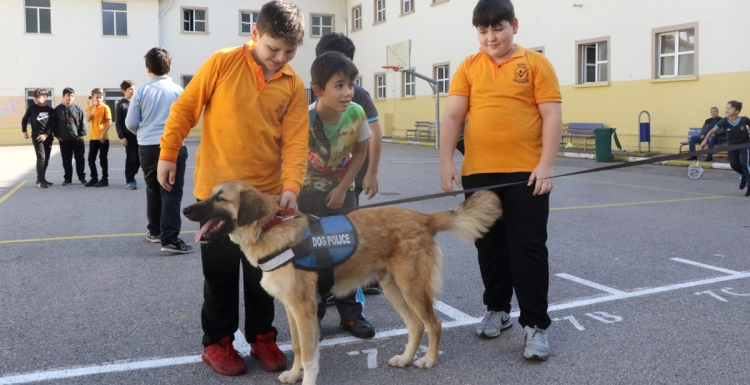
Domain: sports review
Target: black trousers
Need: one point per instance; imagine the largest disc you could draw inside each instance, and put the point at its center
(132, 160)
(69, 149)
(739, 160)
(97, 147)
(513, 254)
(220, 315)
(313, 202)
(162, 206)
(43, 151)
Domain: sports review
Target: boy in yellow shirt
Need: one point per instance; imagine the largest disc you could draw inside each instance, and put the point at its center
(100, 118)
(254, 121)
(512, 134)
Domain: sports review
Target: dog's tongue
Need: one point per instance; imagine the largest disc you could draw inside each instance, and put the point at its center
(205, 229)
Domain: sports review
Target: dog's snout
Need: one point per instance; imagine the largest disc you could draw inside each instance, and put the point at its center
(187, 210)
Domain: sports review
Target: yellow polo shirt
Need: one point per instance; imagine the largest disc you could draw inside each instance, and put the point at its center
(250, 127)
(99, 118)
(504, 127)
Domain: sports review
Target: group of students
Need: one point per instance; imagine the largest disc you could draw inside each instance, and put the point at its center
(258, 128)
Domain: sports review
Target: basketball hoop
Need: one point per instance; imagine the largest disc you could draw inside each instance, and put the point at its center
(392, 68)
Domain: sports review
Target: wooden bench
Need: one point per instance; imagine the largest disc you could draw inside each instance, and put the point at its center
(422, 129)
(696, 131)
(583, 131)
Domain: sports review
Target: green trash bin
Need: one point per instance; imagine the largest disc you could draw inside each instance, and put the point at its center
(603, 138)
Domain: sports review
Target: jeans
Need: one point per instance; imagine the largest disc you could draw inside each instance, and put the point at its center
(68, 149)
(102, 149)
(43, 152)
(132, 161)
(695, 139)
(513, 254)
(162, 206)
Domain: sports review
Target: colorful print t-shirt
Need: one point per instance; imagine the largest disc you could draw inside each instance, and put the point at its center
(330, 147)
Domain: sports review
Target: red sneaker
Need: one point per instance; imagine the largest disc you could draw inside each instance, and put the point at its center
(265, 350)
(223, 359)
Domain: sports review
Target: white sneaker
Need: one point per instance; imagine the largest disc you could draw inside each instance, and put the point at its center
(494, 323)
(537, 347)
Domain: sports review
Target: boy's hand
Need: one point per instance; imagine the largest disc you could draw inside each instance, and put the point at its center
(448, 175)
(25, 135)
(703, 143)
(41, 138)
(541, 175)
(124, 142)
(335, 198)
(103, 138)
(370, 185)
(165, 173)
(287, 199)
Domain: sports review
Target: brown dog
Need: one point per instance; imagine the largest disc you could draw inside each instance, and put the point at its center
(396, 247)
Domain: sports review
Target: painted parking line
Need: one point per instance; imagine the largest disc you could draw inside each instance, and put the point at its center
(591, 284)
(141, 234)
(11, 192)
(703, 265)
(162, 362)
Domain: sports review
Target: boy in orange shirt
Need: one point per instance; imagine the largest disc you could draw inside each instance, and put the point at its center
(100, 118)
(514, 125)
(254, 120)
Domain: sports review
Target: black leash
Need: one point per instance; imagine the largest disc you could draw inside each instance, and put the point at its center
(605, 168)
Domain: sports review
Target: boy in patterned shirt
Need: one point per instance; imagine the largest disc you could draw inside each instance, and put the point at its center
(338, 147)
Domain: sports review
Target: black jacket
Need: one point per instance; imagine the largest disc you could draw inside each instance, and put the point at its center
(121, 111)
(69, 121)
(39, 117)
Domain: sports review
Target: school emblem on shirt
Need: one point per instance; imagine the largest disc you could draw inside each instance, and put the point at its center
(521, 74)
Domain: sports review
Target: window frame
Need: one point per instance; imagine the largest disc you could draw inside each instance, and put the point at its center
(380, 75)
(182, 79)
(253, 20)
(405, 84)
(38, 9)
(445, 81)
(357, 21)
(204, 21)
(538, 49)
(114, 18)
(379, 12)
(403, 7)
(358, 80)
(581, 60)
(29, 92)
(321, 26)
(656, 34)
(436, 2)
(112, 95)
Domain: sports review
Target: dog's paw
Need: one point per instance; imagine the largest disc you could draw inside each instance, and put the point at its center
(424, 363)
(399, 361)
(290, 376)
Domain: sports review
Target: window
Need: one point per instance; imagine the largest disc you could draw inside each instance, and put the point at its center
(194, 20)
(537, 49)
(439, 1)
(30, 97)
(38, 16)
(357, 18)
(676, 53)
(380, 86)
(379, 11)
(407, 80)
(111, 97)
(247, 21)
(443, 77)
(594, 63)
(115, 19)
(358, 80)
(186, 80)
(321, 25)
(407, 6)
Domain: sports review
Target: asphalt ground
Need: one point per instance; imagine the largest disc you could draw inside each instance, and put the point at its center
(649, 284)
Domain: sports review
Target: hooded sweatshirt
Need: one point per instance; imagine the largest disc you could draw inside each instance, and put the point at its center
(69, 121)
(39, 117)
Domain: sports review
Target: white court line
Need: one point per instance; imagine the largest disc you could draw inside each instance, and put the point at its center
(591, 284)
(156, 363)
(451, 312)
(240, 343)
(721, 269)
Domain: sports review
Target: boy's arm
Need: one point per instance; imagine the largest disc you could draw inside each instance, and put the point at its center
(89, 113)
(709, 135)
(295, 131)
(133, 117)
(25, 120)
(81, 124)
(120, 120)
(551, 132)
(107, 123)
(358, 159)
(455, 113)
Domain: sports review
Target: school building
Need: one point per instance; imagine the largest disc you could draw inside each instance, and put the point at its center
(614, 58)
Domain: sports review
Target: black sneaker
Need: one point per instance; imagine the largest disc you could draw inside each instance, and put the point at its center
(709, 159)
(102, 183)
(692, 158)
(67, 183)
(83, 181)
(48, 183)
(330, 300)
(91, 182)
(178, 247)
(743, 183)
(373, 289)
(359, 328)
(41, 185)
(747, 194)
(153, 238)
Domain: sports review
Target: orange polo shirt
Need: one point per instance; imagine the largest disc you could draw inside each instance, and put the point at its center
(250, 127)
(504, 128)
(100, 115)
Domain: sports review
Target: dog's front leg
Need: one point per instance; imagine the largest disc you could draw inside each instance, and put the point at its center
(295, 373)
(306, 317)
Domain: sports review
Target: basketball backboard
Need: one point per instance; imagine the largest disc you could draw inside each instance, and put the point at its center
(399, 54)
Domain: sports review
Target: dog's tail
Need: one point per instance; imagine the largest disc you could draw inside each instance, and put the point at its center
(472, 218)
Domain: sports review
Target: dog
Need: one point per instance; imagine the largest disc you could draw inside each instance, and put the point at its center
(396, 247)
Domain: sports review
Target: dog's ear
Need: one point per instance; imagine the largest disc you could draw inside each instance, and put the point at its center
(251, 208)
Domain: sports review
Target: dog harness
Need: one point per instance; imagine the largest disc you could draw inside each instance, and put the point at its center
(326, 243)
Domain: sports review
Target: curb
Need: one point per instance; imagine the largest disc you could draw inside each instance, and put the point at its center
(409, 142)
